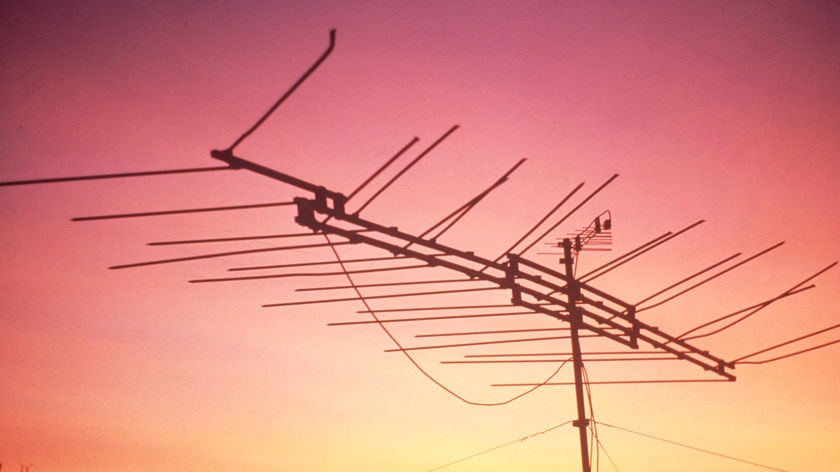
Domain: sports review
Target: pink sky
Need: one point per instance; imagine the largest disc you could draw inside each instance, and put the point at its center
(716, 111)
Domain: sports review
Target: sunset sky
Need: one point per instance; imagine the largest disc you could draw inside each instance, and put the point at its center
(723, 111)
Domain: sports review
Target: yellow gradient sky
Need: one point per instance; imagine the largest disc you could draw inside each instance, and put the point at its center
(722, 111)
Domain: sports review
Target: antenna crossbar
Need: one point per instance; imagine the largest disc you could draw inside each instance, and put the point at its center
(533, 286)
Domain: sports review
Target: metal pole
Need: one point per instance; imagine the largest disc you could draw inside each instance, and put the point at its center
(575, 319)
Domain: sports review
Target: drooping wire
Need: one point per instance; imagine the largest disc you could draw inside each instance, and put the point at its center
(509, 443)
(411, 359)
(602, 448)
(705, 451)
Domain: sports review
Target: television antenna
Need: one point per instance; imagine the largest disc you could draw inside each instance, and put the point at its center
(533, 288)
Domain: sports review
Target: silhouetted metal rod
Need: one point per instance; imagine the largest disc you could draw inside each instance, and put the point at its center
(636, 330)
(110, 176)
(740, 360)
(288, 92)
(318, 263)
(596, 329)
(584, 287)
(378, 297)
(429, 318)
(753, 257)
(407, 167)
(222, 254)
(181, 212)
(229, 239)
(803, 351)
(720, 363)
(456, 215)
(232, 239)
(305, 274)
(792, 354)
(484, 343)
(570, 213)
(539, 223)
(613, 382)
(626, 312)
(755, 308)
(696, 274)
(383, 167)
(591, 353)
(497, 331)
(615, 264)
(395, 249)
(380, 170)
(703, 359)
(306, 218)
(440, 308)
(385, 284)
(553, 361)
(596, 240)
(791, 291)
(239, 163)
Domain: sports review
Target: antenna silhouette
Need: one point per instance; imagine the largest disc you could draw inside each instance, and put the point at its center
(522, 287)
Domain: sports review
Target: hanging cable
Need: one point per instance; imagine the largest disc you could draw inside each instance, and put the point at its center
(509, 443)
(705, 451)
(602, 448)
(413, 361)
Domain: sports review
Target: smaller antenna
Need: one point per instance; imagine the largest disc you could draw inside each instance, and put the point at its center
(597, 233)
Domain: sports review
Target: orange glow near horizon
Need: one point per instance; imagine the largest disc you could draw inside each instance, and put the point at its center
(706, 110)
